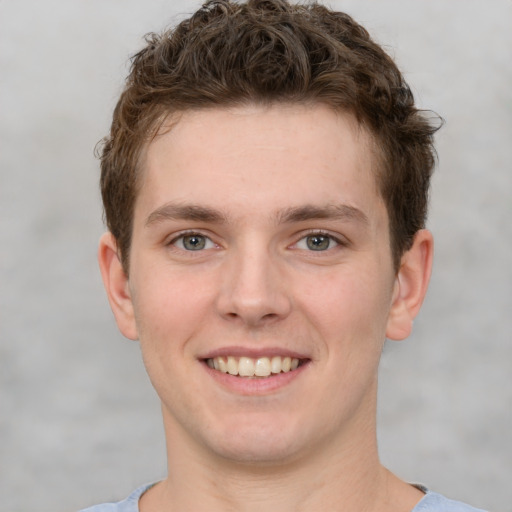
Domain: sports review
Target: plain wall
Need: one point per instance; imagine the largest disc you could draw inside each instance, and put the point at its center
(79, 422)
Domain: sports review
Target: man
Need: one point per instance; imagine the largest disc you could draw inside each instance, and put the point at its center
(265, 186)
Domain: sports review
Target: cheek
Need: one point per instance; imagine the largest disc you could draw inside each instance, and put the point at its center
(349, 308)
(169, 309)
(169, 313)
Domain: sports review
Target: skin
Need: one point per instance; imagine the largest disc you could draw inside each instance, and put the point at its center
(255, 184)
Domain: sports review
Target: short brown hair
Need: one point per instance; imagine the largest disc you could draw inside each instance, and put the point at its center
(265, 52)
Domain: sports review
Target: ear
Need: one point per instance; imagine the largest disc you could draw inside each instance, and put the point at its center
(117, 286)
(411, 285)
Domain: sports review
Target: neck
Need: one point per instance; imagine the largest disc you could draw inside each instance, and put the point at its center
(347, 474)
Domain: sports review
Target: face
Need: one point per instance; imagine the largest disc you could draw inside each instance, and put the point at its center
(261, 282)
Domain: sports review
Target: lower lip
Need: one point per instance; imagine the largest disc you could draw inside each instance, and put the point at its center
(257, 385)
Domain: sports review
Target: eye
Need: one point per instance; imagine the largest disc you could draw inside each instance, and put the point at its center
(317, 242)
(193, 242)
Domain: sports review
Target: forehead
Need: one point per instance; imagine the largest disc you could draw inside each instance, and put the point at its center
(249, 155)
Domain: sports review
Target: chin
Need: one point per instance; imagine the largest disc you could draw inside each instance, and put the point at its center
(258, 456)
(259, 445)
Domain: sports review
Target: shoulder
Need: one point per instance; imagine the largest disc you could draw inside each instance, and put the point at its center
(130, 504)
(433, 502)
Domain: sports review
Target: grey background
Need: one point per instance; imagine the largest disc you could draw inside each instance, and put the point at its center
(79, 422)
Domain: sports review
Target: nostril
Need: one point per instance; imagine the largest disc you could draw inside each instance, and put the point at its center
(254, 304)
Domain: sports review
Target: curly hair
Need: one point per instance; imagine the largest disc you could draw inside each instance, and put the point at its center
(266, 52)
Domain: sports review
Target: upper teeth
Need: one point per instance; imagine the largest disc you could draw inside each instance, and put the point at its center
(249, 367)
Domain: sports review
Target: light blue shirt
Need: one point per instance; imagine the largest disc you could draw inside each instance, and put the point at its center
(431, 502)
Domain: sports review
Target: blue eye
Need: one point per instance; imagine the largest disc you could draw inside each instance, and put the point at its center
(193, 242)
(317, 242)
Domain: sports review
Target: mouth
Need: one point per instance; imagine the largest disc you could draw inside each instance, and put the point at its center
(249, 367)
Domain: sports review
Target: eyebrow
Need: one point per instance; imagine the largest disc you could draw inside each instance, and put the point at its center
(193, 212)
(311, 212)
(172, 211)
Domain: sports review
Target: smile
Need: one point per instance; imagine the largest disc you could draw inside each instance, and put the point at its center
(250, 367)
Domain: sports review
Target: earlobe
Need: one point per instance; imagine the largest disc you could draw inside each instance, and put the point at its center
(411, 285)
(117, 286)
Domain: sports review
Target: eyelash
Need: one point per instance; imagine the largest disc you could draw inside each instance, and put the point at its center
(181, 236)
(339, 242)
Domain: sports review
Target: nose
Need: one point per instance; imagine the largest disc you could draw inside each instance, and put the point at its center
(253, 289)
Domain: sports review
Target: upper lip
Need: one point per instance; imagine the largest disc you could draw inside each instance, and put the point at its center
(254, 353)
